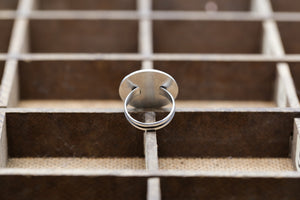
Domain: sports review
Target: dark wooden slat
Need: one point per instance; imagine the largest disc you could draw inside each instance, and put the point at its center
(72, 187)
(73, 79)
(5, 33)
(222, 80)
(285, 6)
(72, 135)
(225, 134)
(89, 36)
(222, 5)
(289, 32)
(190, 134)
(206, 36)
(87, 5)
(8, 4)
(229, 188)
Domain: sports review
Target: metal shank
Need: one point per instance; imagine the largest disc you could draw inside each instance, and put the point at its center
(154, 125)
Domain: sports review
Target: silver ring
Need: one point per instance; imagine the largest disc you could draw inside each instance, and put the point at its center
(148, 88)
(153, 125)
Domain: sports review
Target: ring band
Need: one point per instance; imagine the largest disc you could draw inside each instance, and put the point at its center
(152, 125)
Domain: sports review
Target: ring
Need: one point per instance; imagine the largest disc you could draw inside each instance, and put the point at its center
(148, 89)
(150, 126)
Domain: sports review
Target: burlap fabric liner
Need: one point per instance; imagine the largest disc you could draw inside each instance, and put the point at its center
(205, 164)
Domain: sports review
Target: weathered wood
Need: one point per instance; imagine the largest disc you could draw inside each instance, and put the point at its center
(145, 32)
(9, 88)
(272, 45)
(60, 80)
(76, 104)
(240, 133)
(9, 94)
(157, 15)
(176, 188)
(295, 151)
(150, 144)
(153, 189)
(73, 187)
(150, 140)
(154, 56)
(87, 5)
(3, 140)
(247, 76)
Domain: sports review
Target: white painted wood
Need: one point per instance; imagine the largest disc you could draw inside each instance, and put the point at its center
(150, 140)
(151, 159)
(272, 45)
(147, 173)
(296, 145)
(145, 32)
(3, 141)
(9, 88)
(150, 143)
(153, 189)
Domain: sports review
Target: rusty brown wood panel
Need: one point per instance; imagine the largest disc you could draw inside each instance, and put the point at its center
(72, 187)
(88, 36)
(201, 134)
(176, 188)
(222, 5)
(5, 33)
(222, 80)
(207, 36)
(295, 70)
(286, 5)
(289, 32)
(8, 4)
(227, 134)
(73, 79)
(87, 5)
(72, 135)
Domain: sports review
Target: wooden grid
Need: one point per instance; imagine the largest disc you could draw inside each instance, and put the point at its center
(237, 69)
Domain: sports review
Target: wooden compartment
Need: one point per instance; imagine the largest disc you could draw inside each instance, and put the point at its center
(72, 83)
(227, 141)
(83, 36)
(207, 5)
(286, 6)
(229, 188)
(210, 133)
(69, 54)
(72, 187)
(222, 84)
(180, 36)
(72, 140)
(295, 71)
(290, 32)
(6, 28)
(249, 140)
(8, 4)
(86, 5)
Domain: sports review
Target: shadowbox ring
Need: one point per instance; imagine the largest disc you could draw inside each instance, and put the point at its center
(148, 89)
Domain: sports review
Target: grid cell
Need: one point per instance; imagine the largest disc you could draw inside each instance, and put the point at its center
(86, 5)
(285, 6)
(8, 4)
(87, 36)
(207, 37)
(72, 80)
(5, 34)
(290, 32)
(207, 5)
(222, 81)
